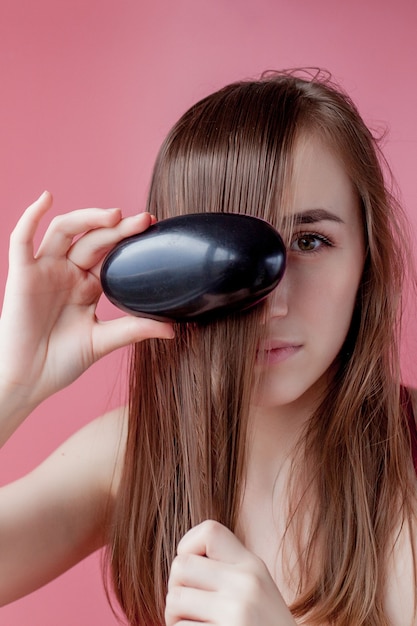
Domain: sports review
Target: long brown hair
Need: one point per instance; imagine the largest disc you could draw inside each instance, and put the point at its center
(190, 397)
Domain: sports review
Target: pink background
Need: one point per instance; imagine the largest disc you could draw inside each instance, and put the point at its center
(88, 90)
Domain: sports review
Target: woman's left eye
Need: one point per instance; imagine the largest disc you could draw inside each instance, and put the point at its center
(309, 242)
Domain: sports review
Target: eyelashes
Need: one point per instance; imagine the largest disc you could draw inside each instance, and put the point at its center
(310, 243)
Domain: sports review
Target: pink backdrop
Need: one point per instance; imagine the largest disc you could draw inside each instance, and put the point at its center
(88, 90)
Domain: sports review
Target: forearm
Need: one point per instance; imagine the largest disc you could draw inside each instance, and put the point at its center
(15, 407)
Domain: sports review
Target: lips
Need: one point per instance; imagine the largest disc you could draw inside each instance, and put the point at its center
(275, 351)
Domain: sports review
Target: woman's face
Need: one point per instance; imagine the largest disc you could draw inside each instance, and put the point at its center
(312, 308)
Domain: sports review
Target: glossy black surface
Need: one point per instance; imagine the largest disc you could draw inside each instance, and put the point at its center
(194, 267)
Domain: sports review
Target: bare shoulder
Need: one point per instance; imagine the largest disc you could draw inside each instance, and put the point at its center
(97, 450)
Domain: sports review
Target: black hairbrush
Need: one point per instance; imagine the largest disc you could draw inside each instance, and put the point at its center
(194, 267)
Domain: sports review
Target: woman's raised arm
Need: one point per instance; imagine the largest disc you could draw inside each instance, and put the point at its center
(49, 332)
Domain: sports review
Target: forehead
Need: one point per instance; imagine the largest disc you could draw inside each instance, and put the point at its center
(319, 180)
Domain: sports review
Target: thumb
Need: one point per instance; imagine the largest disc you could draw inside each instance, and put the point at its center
(114, 334)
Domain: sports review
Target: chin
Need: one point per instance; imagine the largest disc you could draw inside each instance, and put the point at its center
(276, 395)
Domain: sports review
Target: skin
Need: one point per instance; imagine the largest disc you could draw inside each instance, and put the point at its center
(218, 578)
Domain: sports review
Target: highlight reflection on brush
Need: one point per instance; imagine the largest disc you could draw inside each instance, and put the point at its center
(194, 267)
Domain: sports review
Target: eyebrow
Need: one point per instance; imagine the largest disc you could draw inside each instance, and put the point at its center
(315, 215)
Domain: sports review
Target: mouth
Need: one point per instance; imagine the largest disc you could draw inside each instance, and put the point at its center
(274, 352)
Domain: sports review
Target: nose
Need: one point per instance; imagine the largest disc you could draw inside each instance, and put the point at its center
(279, 299)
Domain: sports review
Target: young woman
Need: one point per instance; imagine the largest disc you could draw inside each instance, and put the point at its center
(263, 471)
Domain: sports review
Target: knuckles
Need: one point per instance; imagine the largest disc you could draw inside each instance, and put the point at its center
(206, 533)
(180, 565)
(212, 531)
(209, 528)
(174, 599)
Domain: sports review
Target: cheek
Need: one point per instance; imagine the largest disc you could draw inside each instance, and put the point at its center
(327, 298)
